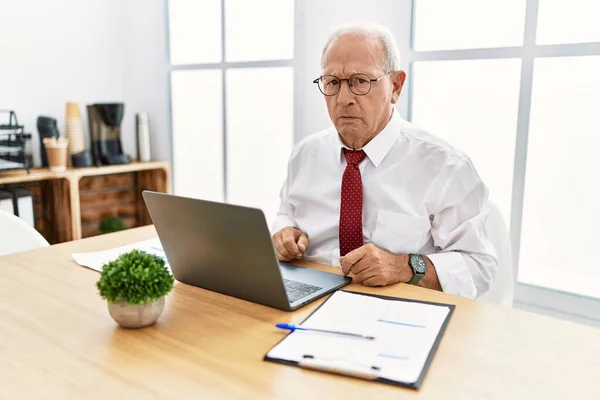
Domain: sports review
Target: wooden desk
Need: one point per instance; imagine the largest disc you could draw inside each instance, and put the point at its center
(57, 340)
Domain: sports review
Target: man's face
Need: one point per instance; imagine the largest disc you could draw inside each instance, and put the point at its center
(359, 118)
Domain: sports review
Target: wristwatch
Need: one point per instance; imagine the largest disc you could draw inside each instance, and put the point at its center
(418, 265)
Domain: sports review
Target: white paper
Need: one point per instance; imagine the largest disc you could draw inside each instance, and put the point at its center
(97, 259)
(404, 335)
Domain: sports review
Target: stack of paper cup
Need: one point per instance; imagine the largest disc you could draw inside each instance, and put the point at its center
(74, 130)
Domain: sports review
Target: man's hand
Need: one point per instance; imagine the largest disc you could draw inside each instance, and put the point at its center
(290, 243)
(373, 266)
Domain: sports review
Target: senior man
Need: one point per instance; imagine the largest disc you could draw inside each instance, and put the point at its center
(376, 195)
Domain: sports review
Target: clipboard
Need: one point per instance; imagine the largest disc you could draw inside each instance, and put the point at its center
(365, 371)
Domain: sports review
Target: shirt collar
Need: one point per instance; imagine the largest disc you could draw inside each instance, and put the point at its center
(380, 145)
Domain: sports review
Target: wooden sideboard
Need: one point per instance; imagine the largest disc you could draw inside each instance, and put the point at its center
(70, 205)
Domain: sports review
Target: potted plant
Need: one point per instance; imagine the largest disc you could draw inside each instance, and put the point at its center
(135, 285)
(111, 224)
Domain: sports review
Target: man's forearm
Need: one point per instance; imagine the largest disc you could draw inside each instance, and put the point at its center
(430, 280)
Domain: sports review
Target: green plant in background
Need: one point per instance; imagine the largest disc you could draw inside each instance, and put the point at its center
(135, 277)
(111, 224)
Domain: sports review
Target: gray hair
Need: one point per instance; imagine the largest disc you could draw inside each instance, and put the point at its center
(369, 31)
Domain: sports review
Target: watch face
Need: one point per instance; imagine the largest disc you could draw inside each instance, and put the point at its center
(418, 263)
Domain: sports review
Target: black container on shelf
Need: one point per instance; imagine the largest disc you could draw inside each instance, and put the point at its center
(47, 128)
(13, 141)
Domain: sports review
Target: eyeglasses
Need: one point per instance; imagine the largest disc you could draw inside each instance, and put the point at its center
(359, 84)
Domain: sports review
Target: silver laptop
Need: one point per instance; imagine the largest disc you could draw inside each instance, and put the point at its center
(228, 249)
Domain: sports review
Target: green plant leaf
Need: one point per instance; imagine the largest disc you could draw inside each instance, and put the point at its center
(111, 224)
(136, 277)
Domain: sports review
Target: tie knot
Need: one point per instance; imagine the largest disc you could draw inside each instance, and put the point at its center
(354, 157)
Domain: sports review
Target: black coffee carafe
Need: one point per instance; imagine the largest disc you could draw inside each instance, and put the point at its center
(105, 131)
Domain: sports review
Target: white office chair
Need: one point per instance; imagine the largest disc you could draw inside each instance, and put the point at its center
(502, 289)
(16, 235)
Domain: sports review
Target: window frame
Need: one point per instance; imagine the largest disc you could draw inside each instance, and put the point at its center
(527, 296)
(223, 65)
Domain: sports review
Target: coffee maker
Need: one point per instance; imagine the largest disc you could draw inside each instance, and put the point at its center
(105, 132)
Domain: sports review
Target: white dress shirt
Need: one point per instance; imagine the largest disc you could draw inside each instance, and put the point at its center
(420, 195)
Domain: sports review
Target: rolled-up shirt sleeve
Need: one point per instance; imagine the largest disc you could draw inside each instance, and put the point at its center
(465, 262)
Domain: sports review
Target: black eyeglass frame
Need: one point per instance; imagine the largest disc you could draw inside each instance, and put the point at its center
(348, 82)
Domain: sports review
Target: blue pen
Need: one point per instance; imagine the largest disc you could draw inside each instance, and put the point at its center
(293, 328)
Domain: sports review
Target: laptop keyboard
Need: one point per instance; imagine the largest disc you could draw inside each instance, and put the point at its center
(297, 290)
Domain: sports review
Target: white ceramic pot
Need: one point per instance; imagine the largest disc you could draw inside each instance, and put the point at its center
(136, 315)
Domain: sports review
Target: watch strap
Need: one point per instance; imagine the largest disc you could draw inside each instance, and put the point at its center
(417, 276)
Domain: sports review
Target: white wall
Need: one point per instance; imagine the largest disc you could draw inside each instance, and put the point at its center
(54, 51)
(147, 70)
(315, 19)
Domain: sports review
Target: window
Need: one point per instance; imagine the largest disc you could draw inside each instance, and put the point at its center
(253, 34)
(232, 99)
(575, 21)
(197, 118)
(560, 221)
(195, 31)
(515, 84)
(467, 24)
(259, 135)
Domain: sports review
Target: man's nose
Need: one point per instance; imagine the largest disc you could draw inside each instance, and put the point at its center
(345, 97)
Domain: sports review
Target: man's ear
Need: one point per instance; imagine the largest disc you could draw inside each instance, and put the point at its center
(398, 78)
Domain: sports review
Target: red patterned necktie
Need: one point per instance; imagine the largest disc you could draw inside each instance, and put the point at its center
(351, 206)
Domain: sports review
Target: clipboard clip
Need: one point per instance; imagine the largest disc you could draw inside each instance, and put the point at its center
(340, 367)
